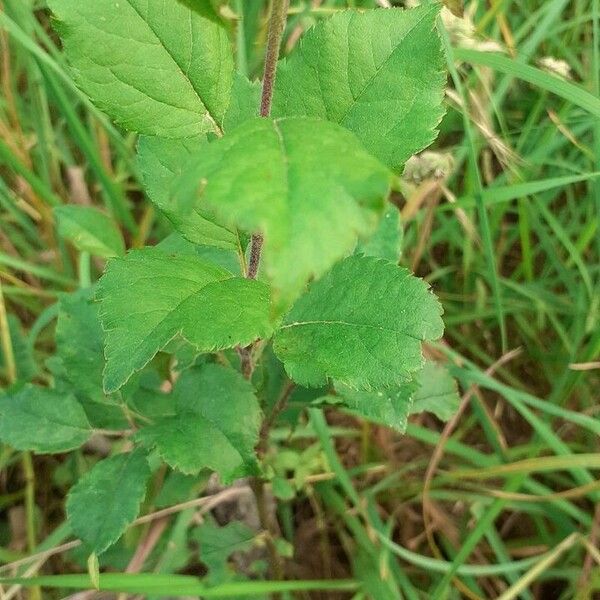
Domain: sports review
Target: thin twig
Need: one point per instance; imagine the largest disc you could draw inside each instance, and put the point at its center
(144, 549)
(206, 503)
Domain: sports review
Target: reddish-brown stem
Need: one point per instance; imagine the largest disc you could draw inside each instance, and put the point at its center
(276, 28)
(269, 421)
(255, 250)
(277, 23)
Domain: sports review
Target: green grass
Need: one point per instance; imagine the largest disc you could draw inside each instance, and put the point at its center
(510, 510)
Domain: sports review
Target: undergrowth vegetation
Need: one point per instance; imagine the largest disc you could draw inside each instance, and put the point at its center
(299, 300)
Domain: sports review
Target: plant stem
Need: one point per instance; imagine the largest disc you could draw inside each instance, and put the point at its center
(265, 516)
(277, 23)
(270, 420)
(255, 251)
(29, 476)
(276, 28)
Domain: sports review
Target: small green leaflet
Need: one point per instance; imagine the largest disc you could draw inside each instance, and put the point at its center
(432, 390)
(228, 258)
(107, 499)
(89, 230)
(158, 68)
(79, 359)
(161, 161)
(44, 420)
(245, 100)
(149, 297)
(386, 242)
(362, 325)
(79, 344)
(217, 544)
(380, 73)
(388, 406)
(177, 488)
(437, 392)
(307, 185)
(216, 424)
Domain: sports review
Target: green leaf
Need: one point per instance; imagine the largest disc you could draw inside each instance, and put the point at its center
(216, 424)
(386, 242)
(388, 406)
(79, 359)
(362, 324)
(217, 544)
(149, 297)
(306, 184)
(79, 344)
(146, 397)
(43, 420)
(432, 390)
(177, 488)
(228, 258)
(380, 73)
(158, 68)
(161, 161)
(245, 100)
(107, 499)
(89, 230)
(437, 392)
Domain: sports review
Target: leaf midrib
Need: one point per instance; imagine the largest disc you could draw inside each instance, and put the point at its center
(185, 75)
(215, 425)
(118, 485)
(178, 306)
(355, 99)
(76, 428)
(202, 421)
(349, 324)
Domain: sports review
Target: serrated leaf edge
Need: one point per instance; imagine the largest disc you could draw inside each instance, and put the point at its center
(126, 522)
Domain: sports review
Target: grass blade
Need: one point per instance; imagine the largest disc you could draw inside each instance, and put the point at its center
(565, 89)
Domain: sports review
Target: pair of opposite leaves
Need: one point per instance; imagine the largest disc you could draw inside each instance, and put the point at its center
(359, 90)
